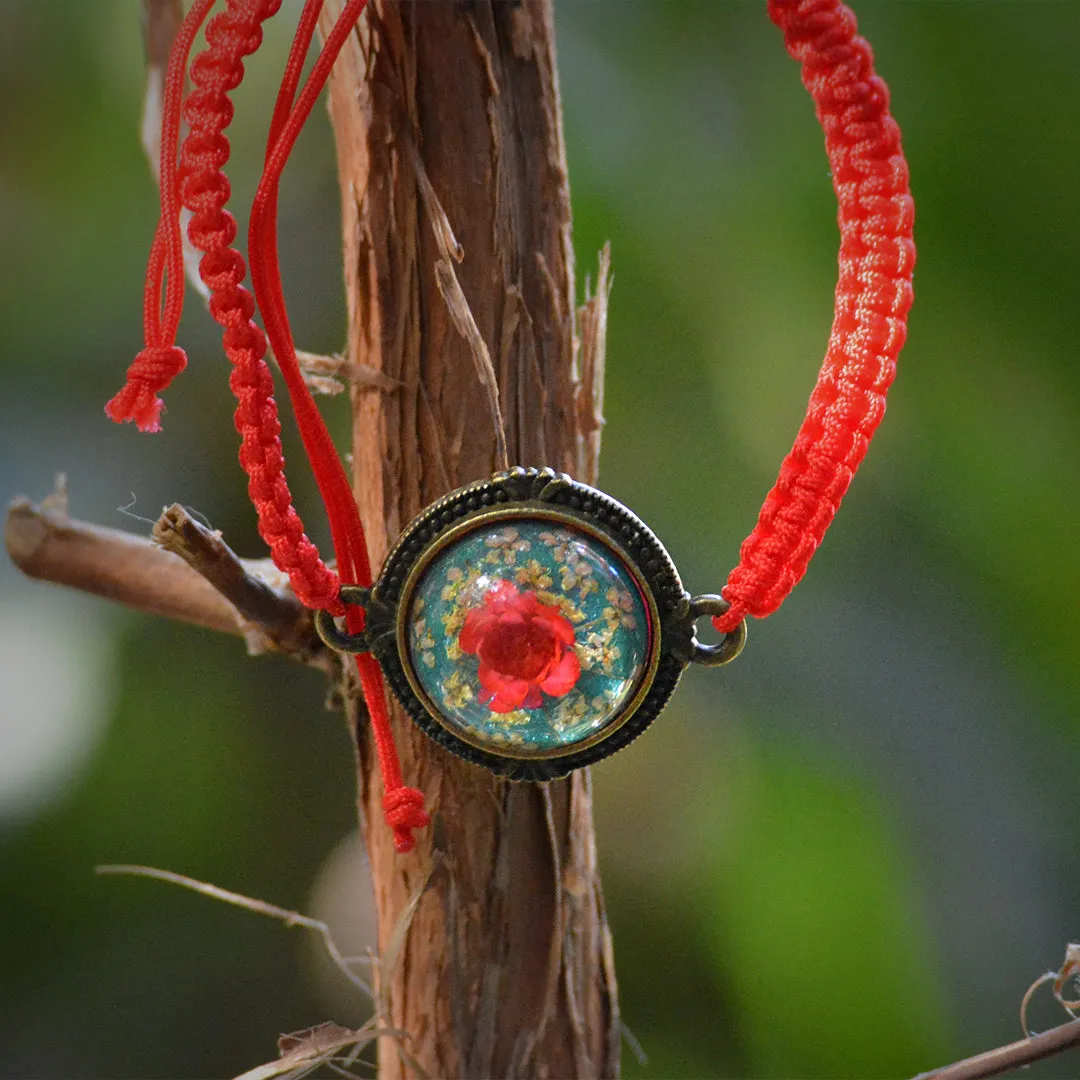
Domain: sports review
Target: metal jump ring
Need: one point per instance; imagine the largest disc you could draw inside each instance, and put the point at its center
(327, 628)
(726, 649)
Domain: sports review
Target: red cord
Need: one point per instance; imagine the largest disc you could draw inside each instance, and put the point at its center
(161, 361)
(199, 182)
(873, 295)
(404, 806)
(348, 534)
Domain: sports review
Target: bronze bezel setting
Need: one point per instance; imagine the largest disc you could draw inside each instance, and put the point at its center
(528, 493)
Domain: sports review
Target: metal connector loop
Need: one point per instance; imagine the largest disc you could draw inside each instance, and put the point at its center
(327, 628)
(725, 650)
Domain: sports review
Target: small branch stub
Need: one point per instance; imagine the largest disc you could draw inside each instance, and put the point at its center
(186, 572)
(279, 616)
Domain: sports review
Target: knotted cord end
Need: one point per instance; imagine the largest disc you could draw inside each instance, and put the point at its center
(151, 371)
(404, 810)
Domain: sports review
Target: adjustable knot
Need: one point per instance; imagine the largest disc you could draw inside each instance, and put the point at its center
(151, 371)
(404, 809)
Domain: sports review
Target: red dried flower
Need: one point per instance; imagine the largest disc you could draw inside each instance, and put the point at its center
(524, 647)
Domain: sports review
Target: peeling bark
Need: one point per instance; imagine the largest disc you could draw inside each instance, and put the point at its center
(506, 964)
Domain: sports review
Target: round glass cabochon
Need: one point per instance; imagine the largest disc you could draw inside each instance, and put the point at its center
(528, 636)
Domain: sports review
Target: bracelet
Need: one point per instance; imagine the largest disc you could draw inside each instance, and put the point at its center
(527, 622)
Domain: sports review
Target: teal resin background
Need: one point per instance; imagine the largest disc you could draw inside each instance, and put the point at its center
(567, 571)
(845, 855)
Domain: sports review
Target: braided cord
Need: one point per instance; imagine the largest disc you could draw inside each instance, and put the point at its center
(873, 295)
(198, 182)
(212, 229)
(403, 806)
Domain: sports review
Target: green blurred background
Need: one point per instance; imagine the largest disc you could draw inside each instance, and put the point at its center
(846, 856)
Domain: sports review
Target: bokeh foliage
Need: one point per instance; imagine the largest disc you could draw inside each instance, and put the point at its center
(846, 857)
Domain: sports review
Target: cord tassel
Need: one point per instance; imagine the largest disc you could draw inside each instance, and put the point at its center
(161, 360)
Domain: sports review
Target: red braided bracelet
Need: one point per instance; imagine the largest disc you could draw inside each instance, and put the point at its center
(527, 622)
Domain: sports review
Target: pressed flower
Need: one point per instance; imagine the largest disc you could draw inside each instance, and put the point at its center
(524, 647)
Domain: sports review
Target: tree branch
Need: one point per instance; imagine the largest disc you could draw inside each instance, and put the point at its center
(279, 616)
(456, 226)
(187, 572)
(1014, 1056)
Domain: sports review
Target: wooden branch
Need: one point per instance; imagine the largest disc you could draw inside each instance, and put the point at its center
(187, 573)
(505, 961)
(450, 153)
(281, 618)
(46, 544)
(1014, 1056)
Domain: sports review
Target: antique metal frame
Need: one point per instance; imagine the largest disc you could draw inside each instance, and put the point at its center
(548, 495)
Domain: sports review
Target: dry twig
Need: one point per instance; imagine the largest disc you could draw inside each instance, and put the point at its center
(1014, 1056)
(188, 574)
(279, 616)
(1032, 1048)
(1070, 969)
(324, 1044)
(259, 907)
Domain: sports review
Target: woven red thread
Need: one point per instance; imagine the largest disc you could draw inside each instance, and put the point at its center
(199, 182)
(204, 189)
(403, 806)
(873, 294)
(348, 534)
